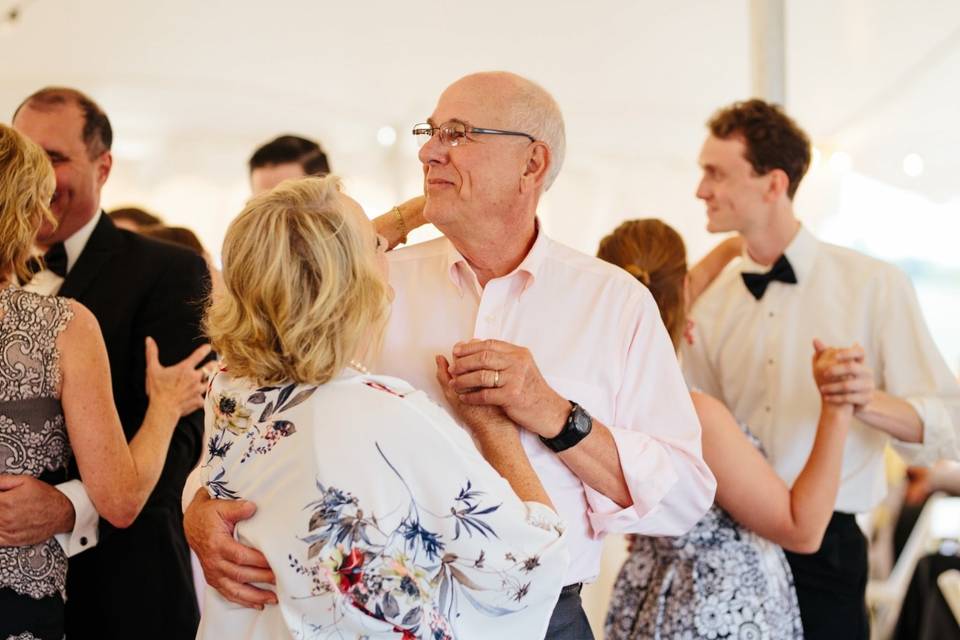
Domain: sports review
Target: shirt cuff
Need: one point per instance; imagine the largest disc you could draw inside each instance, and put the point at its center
(86, 519)
(649, 474)
(939, 434)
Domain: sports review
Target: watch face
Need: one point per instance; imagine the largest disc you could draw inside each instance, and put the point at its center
(578, 426)
(582, 421)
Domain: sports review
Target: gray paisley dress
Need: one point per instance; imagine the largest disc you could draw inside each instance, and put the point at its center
(33, 442)
(719, 581)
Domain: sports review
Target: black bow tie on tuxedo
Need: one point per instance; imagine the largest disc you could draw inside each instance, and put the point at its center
(757, 283)
(55, 259)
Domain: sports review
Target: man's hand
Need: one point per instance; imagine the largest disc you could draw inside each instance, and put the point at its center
(31, 511)
(848, 380)
(492, 372)
(227, 565)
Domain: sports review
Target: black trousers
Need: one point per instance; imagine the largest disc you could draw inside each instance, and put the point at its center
(831, 583)
(569, 622)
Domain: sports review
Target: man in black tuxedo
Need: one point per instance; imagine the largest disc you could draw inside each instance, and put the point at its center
(136, 582)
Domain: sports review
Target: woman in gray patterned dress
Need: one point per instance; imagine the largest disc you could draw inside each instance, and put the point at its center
(56, 400)
(728, 577)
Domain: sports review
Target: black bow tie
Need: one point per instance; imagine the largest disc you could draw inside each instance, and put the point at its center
(55, 259)
(782, 272)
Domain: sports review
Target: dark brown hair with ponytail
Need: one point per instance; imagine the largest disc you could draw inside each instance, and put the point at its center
(653, 252)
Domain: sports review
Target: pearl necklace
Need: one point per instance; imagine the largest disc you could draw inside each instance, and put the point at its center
(359, 366)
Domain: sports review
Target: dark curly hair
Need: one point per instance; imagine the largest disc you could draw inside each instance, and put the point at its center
(772, 138)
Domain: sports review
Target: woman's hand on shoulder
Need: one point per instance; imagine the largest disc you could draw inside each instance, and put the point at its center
(178, 388)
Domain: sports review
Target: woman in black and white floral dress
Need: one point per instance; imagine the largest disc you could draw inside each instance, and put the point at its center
(728, 577)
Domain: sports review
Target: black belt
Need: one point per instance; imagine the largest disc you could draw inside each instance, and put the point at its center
(571, 588)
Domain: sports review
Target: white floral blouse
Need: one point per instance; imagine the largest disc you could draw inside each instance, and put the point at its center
(378, 515)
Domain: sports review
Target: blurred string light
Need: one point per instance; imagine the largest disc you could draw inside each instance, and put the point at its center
(840, 162)
(387, 136)
(913, 165)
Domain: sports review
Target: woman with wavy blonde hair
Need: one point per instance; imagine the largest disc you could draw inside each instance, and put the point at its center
(56, 401)
(376, 514)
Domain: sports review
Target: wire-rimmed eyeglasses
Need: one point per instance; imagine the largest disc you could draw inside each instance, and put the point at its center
(455, 133)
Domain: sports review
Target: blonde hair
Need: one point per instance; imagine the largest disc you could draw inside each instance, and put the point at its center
(303, 294)
(27, 183)
(653, 252)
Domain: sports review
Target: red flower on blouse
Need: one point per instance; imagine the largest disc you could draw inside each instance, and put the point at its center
(349, 569)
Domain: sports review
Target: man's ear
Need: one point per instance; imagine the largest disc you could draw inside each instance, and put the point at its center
(778, 185)
(536, 167)
(104, 165)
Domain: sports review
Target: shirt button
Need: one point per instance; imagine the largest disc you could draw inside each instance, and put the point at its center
(83, 541)
(767, 409)
(770, 361)
(489, 318)
(771, 314)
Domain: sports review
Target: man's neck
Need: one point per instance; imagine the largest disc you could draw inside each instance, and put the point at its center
(44, 245)
(497, 253)
(767, 243)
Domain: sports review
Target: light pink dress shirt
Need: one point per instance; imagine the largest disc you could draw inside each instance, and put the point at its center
(597, 337)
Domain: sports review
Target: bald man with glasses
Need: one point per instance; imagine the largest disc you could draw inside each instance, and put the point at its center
(570, 348)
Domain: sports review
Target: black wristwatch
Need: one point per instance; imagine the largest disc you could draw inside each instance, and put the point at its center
(576, 428)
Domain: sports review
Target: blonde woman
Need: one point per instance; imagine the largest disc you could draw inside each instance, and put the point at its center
(377, 515)
(728, 577)
(56, 401)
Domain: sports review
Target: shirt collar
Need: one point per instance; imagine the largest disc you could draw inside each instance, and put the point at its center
(801, 252)
(75, 244)
(461, 274)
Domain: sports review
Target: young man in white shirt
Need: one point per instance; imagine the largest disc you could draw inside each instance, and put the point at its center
(754, 327)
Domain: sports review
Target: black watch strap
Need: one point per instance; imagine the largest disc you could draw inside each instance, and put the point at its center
(576, 428)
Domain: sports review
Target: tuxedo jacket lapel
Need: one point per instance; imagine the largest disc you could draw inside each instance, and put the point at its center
(103, 242)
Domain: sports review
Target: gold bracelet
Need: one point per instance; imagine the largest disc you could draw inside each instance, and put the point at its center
(403, 226)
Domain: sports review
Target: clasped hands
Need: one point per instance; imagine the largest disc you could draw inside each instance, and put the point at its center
(490, 380)
(842, 375)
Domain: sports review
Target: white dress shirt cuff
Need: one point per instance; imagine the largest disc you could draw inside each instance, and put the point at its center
(939, 433)
(86, 521)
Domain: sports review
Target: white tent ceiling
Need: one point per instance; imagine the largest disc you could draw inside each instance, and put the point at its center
(192, 86)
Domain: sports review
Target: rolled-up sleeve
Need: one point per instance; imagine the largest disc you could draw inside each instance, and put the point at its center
(913, 369)
(657, 435)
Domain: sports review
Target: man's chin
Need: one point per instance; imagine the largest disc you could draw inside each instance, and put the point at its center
(434, 212)
(714, 227)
